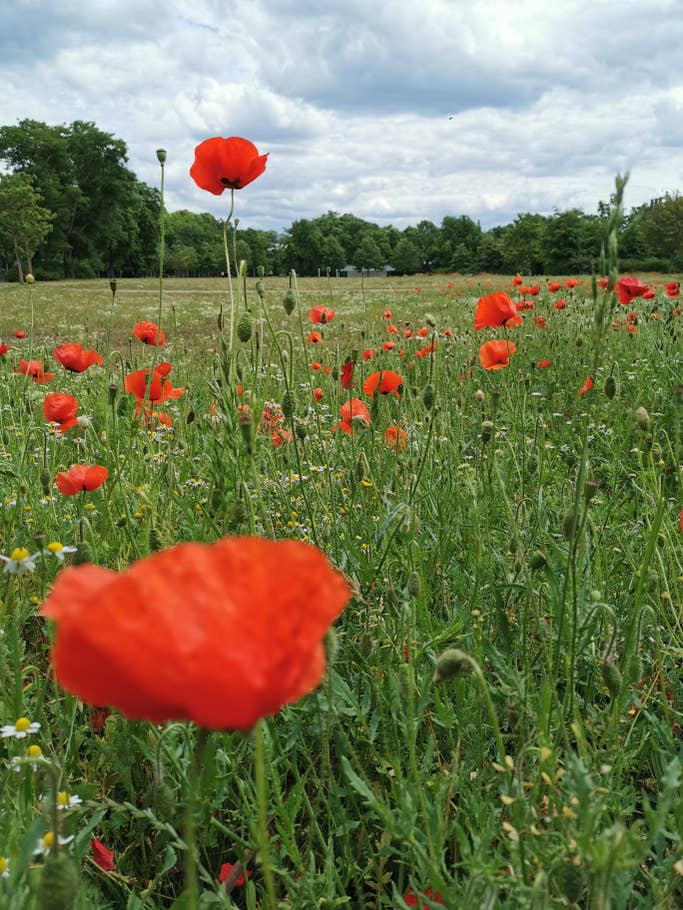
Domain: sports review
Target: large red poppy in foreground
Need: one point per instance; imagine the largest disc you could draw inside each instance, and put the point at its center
(220, 634)
(74, 358)
(221, 164)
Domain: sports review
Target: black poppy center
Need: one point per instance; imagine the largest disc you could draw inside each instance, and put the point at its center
(233, 183)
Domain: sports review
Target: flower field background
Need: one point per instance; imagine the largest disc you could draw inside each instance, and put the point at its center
(499, 720)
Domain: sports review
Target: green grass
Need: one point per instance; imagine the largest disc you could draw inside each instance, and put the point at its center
(547, 773)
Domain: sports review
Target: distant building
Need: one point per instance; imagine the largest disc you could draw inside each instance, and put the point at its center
(350, 271)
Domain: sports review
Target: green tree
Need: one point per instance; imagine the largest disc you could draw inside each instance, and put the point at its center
(368, 254)
(521, 244)
(24, 221)
(406, 258)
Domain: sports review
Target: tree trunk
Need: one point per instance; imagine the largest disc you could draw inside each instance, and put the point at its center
(29, 261)
(20, 271)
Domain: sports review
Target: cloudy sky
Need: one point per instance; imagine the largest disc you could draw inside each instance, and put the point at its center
(394, 110)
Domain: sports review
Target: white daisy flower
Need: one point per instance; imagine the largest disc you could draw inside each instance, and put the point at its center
(22, 728)
(58, 550)
(20, 561)
(46, 843)
(4, 867)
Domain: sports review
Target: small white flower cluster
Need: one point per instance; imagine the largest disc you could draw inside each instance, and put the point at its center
(22, 562)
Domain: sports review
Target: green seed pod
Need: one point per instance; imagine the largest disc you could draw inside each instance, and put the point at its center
(512, 544)
(301, 431)
(260, 290)
(288, 404)
(58, 885)
(83, 554)
(610, 387)
(289, 301)
(260, 270)
(414, 585)
(112, 392)
(335, 373)
(244, 327)
(571, 882)
(113, 285)
(161, 156)
(611, 677)
(633, 668)
(45, 481)
(190, 417)
(428, 396)
(121, 406)
(567, 521)
(451, 663)
(537, 560)
(220, 321)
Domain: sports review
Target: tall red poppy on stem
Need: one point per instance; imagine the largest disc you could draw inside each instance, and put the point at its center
(75, 359)
(386, 382)
(149, 333)
(221, 634)
(320, 314)
(628, 288)
(494, 310)
(157, 389)
(34, 369)
(221, 164)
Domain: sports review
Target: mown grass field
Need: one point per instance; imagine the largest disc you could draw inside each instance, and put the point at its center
(529, 530)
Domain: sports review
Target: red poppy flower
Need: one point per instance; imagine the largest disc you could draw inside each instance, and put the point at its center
(314, 337)
(517, 280)
(149, 333)
(407, 333)
(72, 357)
(560, 304)
(34, 369)
(315, 366)
(629, 288)
(587, 386)
(222, 163)
(346, 374)
(571, 283)
(602, 283)
(423, 332)
(496, 354)
(411, 900)
(424, 352)
(389, 345)
(353, 412)
(20, 334)
(539, 322)
(448, 333)
(387, 382)
(320, 314)
(533, 291)
(160, 388)
(543, 364)
(272, 423)
(649, 294)
(60, 409)
(368, 354)
(3, 349)
(392, 330)
(318, 393)
(387, 315)
(554, 286)
(395, 437)
(221, 634)
(226, 870)
(672, 289)
(494, 310)
(102, 856)
(81, 477)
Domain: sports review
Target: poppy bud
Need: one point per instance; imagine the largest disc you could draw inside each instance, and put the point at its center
(220, 321)
(579, 342)
(83, 554)
(301, 431)
(335, 374)
(430, 320)
(45, 481)
(30, 279)
(414, 585)
(366, 646)
(633, 668)
(611, 678)
(449, 664)
(642, 419)
(112, 392)
(610, 387)
(532, 464)
(260, 289)
(538, 560)
(428, 397)
(289, 301)
(260, 271)
(113, 286)
(58, 885)
(121, 406)
(486, 430)
(571, 883)
(288, 404)
(244, 327)
(161, 156)
(590, 488)
(512, 544)
(567, 522)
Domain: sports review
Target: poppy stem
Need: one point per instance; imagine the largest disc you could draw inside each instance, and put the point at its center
(193, 802)
(261, 800)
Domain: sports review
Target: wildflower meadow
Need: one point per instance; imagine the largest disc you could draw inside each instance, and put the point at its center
(329, 593)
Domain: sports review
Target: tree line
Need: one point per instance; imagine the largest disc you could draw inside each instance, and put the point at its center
(71, 208)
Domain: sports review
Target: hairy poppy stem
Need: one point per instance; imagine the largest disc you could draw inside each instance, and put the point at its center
(261, 800)
(193, 802)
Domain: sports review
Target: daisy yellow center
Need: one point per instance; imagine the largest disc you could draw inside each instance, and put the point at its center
(22, 725)
(62, 798)
(34, 751)
(48, 840)
(3, 865)
(18, 554)
(55, 547)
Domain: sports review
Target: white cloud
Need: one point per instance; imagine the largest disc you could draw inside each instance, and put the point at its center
(353, 99)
